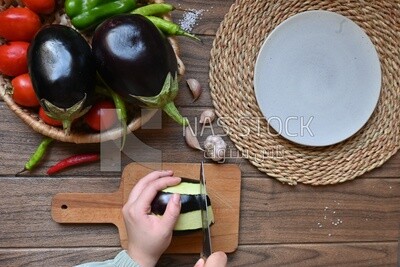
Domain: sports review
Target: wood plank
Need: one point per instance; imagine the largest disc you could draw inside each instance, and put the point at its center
(363, 210)
(54, 257)
(168, 143)
(349, 255)
(26, 219)
(338, 254)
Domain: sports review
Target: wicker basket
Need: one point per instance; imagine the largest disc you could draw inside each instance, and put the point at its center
(31, 118)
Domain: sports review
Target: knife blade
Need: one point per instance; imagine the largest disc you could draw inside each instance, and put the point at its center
(207, 247)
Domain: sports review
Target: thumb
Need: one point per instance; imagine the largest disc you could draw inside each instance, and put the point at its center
(217, 259)
(172, 211)
(199, 263)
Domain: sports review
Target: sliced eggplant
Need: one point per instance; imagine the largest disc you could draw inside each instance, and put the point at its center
(190, 217)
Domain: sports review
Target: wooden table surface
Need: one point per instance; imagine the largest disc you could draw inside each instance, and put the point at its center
(352, 224)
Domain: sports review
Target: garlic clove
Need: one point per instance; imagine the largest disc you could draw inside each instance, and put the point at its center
(215, 148)
(195, 88)
(207, 116)
(191, 139)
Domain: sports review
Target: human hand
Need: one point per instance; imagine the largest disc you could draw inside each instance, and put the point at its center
(217, 259)
(148, 235)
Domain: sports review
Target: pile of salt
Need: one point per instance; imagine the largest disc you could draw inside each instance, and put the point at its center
(190, 18)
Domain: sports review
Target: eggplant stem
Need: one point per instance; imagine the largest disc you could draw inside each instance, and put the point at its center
(66, 115)
(67, 126)
(165, 99)
(173, 112)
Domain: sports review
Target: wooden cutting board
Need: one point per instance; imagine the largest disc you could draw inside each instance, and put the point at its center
(223, 188)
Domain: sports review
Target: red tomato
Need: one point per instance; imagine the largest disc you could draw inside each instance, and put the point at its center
(23, 92)
(47, 119)
(102, 115)
(19, 24)
(40, 6)
(13, 58)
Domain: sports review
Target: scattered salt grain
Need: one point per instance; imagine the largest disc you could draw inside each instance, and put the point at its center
(337, 222)
(190, 19)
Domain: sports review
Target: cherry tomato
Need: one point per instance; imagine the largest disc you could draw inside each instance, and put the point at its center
(40, 6)
(23, 93)
(19, 24)
(47, 119)
(13, 58)
(102, 115)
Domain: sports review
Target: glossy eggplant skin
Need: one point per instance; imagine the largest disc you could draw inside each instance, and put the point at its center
(190, 218)
(62, 67)
(188, 203)
(133, 57)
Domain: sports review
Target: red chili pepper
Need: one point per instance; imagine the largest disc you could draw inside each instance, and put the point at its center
(73, 161)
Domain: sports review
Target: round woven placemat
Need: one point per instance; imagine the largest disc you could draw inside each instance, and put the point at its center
(233, 57)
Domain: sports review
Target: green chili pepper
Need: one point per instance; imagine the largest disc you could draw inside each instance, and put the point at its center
(170, 28)
(90, 13)
(154, 9)
(37, 155)
(121, 113)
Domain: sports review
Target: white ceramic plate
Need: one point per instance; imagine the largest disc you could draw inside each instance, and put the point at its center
(317, 78)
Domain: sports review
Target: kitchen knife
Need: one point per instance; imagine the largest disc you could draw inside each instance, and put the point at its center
(207, 248)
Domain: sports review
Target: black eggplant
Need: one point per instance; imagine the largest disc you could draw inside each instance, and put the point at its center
(63, 73)
(190, 216)
(137, 61)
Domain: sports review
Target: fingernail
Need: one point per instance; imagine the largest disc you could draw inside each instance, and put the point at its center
(199, 262)
(176, 198)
